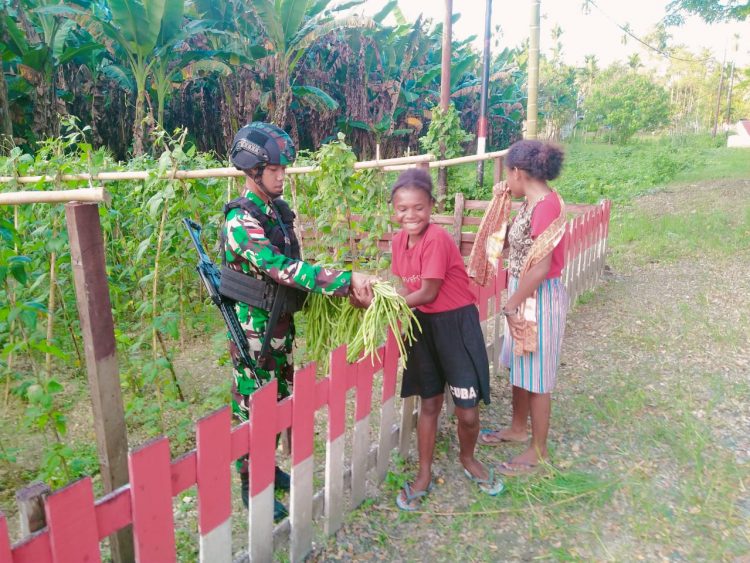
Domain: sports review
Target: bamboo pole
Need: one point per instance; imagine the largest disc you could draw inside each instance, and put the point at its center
(203, 173)
(55, 196)
(533, 69)
(452, 161)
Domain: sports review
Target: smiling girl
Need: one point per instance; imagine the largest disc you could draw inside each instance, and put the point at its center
(450, 349)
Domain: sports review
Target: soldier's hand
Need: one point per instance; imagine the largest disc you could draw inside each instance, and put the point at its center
(360, 291)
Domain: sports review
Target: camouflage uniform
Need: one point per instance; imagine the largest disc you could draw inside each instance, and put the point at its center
(249, 250)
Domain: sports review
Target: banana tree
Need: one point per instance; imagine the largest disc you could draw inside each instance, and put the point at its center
(136, 32)
(290, 28)
(235, 45)
(35, 39)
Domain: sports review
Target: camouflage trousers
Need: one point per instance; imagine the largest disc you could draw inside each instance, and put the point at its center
(279, 365)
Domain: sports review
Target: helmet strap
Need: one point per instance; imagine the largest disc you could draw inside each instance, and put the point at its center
(257, 177)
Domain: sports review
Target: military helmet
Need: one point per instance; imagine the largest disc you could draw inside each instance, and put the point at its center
(261, 144)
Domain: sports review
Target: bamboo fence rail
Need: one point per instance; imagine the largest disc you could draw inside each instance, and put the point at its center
(203, 173)
(56, 196)
(388, 165)
(452, 161)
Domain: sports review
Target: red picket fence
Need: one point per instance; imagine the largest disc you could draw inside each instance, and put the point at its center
(586, 249)
(77, 523)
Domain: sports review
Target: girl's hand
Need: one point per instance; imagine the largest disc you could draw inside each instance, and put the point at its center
(360, 290)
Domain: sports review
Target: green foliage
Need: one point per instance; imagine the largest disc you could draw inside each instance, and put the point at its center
(445, 138)
(592, 172)
(558, 97)
(624, 103)
(345, 204)
(708, 10)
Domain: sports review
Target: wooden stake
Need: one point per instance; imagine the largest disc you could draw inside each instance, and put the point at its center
(97, 326)
(30, 502)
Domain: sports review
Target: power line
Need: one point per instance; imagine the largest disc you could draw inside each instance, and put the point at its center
(627, 31)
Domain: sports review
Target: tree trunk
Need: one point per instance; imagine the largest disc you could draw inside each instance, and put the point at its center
(138, 131)
(533, 81)
(46, 121)
(445, 93)
(6, 125)
(282, 93)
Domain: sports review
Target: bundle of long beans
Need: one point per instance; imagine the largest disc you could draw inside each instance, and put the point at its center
(323, 330)
(387, 310)
(334, 321)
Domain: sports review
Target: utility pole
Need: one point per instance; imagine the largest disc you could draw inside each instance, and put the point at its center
(533, 79)
(735, 48)
(482, 127)
(718, 96)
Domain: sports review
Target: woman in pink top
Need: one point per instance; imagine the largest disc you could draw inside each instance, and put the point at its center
(535, 293)
(450, 349)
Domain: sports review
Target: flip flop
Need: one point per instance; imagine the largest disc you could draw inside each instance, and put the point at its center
(514, 469)
(484, 440)
(410, 496)
(490, 485)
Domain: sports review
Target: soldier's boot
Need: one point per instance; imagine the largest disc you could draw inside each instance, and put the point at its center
(281, 480)
(279, 510)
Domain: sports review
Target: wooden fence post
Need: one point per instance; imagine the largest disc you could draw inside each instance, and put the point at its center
(263, 414)
(408, 419)
(303, 435)
(499, 320)
(365, 372)
(151, 502)
(30, 502)
(214, 480)
(458, 218)
(97, 327)
(497, 173)
(334, 487)
(5, 553)
(388, 406)
(71, 517)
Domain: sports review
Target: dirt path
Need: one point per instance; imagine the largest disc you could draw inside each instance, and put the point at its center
(650, 430)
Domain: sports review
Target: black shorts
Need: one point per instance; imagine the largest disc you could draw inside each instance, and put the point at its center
(450, 349)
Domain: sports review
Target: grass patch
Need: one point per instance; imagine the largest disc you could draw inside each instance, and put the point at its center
(556, 487)
(718, 163)
(637, 238)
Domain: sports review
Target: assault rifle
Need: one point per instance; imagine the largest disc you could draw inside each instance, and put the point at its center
(211, 279)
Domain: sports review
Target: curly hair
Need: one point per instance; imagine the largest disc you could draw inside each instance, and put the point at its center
(542, 161)
(416, 178)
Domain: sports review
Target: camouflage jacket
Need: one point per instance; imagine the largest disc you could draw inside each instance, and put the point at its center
(249, 250)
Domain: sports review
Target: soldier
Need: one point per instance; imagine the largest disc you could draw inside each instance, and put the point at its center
(259, 241)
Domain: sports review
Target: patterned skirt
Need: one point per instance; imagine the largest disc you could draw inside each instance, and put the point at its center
(537, 371)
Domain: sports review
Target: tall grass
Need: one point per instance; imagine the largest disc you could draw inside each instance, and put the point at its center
(596, 171)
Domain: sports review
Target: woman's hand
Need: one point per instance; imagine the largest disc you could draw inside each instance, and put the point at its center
(516, 325)
(360, 290)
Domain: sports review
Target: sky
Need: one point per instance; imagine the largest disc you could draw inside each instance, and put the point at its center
(583, 34)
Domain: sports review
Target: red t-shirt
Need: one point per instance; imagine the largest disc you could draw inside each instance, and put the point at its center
(546, 211)
(435, 256)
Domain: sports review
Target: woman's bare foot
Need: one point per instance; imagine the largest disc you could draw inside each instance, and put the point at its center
(527, 462)
(497, 437)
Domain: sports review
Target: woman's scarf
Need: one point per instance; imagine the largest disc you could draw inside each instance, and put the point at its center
(488, 245)
(542, 246)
